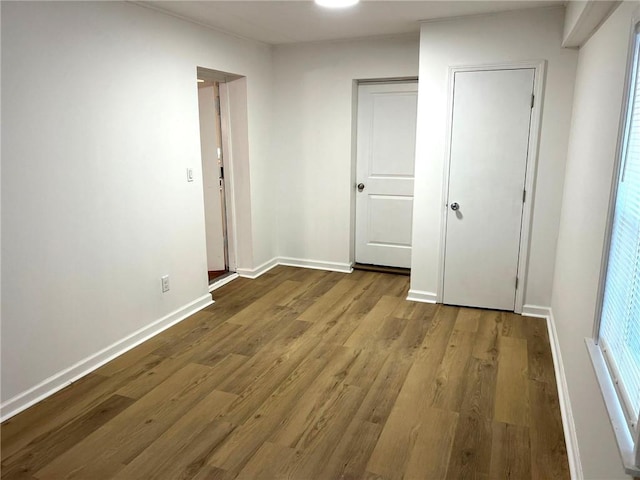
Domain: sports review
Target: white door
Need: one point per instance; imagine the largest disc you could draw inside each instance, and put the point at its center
(384, 165)
(489, 144)
(211, 163)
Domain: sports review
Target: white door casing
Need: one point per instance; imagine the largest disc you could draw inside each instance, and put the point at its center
(386, 132)
(489, 147)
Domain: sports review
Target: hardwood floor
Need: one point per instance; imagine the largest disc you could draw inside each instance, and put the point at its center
(306, 374)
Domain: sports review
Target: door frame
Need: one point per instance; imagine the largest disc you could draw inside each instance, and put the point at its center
(226, 131)
(354, 149)
(539, 67)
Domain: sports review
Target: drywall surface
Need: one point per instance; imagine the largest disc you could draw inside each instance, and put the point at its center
(100, 122)
(588, 180)
(312, 137)
(582, 19)
(573, 11)
(491, 39)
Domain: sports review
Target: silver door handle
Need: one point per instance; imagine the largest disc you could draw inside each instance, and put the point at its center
(455, 207)
(360, 187)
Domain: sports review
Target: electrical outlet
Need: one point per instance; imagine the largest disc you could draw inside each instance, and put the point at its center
(165, 283)
(189, 174)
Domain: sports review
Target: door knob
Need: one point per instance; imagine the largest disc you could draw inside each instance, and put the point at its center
(455, 206)
(360, 187)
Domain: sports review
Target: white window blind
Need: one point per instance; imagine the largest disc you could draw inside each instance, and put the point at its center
(620, 322)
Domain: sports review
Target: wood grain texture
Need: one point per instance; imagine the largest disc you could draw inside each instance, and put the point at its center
(306, 374)
(512, 383)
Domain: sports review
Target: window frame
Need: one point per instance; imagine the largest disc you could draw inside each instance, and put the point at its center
(626, 428)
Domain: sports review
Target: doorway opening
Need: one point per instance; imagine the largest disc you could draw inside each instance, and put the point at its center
(385, 135)
(213, 106)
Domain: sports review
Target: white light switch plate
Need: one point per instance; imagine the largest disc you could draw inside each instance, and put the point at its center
(189, 174)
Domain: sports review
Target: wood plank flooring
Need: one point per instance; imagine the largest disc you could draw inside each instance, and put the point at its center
(306, 374)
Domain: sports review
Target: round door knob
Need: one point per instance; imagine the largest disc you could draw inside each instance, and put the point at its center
(360, 187)
(455, 206)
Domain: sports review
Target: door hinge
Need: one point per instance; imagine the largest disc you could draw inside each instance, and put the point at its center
(218, 105)
(524, 196)
(533, 99)
(516, 283)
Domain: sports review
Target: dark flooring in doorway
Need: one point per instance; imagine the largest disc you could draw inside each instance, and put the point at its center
(382, 269)
(215, 274)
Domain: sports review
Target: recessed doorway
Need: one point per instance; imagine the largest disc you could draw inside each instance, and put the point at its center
(213, 106)
(213, 179)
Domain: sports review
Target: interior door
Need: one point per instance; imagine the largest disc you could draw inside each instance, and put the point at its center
(489, 144)
(211, 162)
(385, 163)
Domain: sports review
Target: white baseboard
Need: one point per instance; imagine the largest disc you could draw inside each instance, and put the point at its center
(420, 296)
(536, 311)
(61, 379)
(304, 263)
(568, 423)
(259, 270)
(223, 281)
(294, 262)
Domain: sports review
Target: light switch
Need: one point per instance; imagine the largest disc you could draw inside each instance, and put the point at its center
(189, 174)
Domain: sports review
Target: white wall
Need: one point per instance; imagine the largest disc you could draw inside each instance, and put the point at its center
(590, 161)
(574, 10)
(99, 122)
(508, 37)
(582, 19)
(312, 137)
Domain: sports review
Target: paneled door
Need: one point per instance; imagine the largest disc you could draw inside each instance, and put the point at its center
(386, 139)
(489, 147)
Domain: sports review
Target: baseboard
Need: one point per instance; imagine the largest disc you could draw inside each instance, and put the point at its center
(259, 270)
(219, 283)
(304, 263)
(64, 378)
(568, 423)
(420, 296)
(536, 311)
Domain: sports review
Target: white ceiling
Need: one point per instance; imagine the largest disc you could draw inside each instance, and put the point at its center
(278, 22)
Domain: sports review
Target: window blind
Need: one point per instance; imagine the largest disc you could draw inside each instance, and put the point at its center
(620, 322)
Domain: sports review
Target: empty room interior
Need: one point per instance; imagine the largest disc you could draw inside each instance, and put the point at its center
(320, 239)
